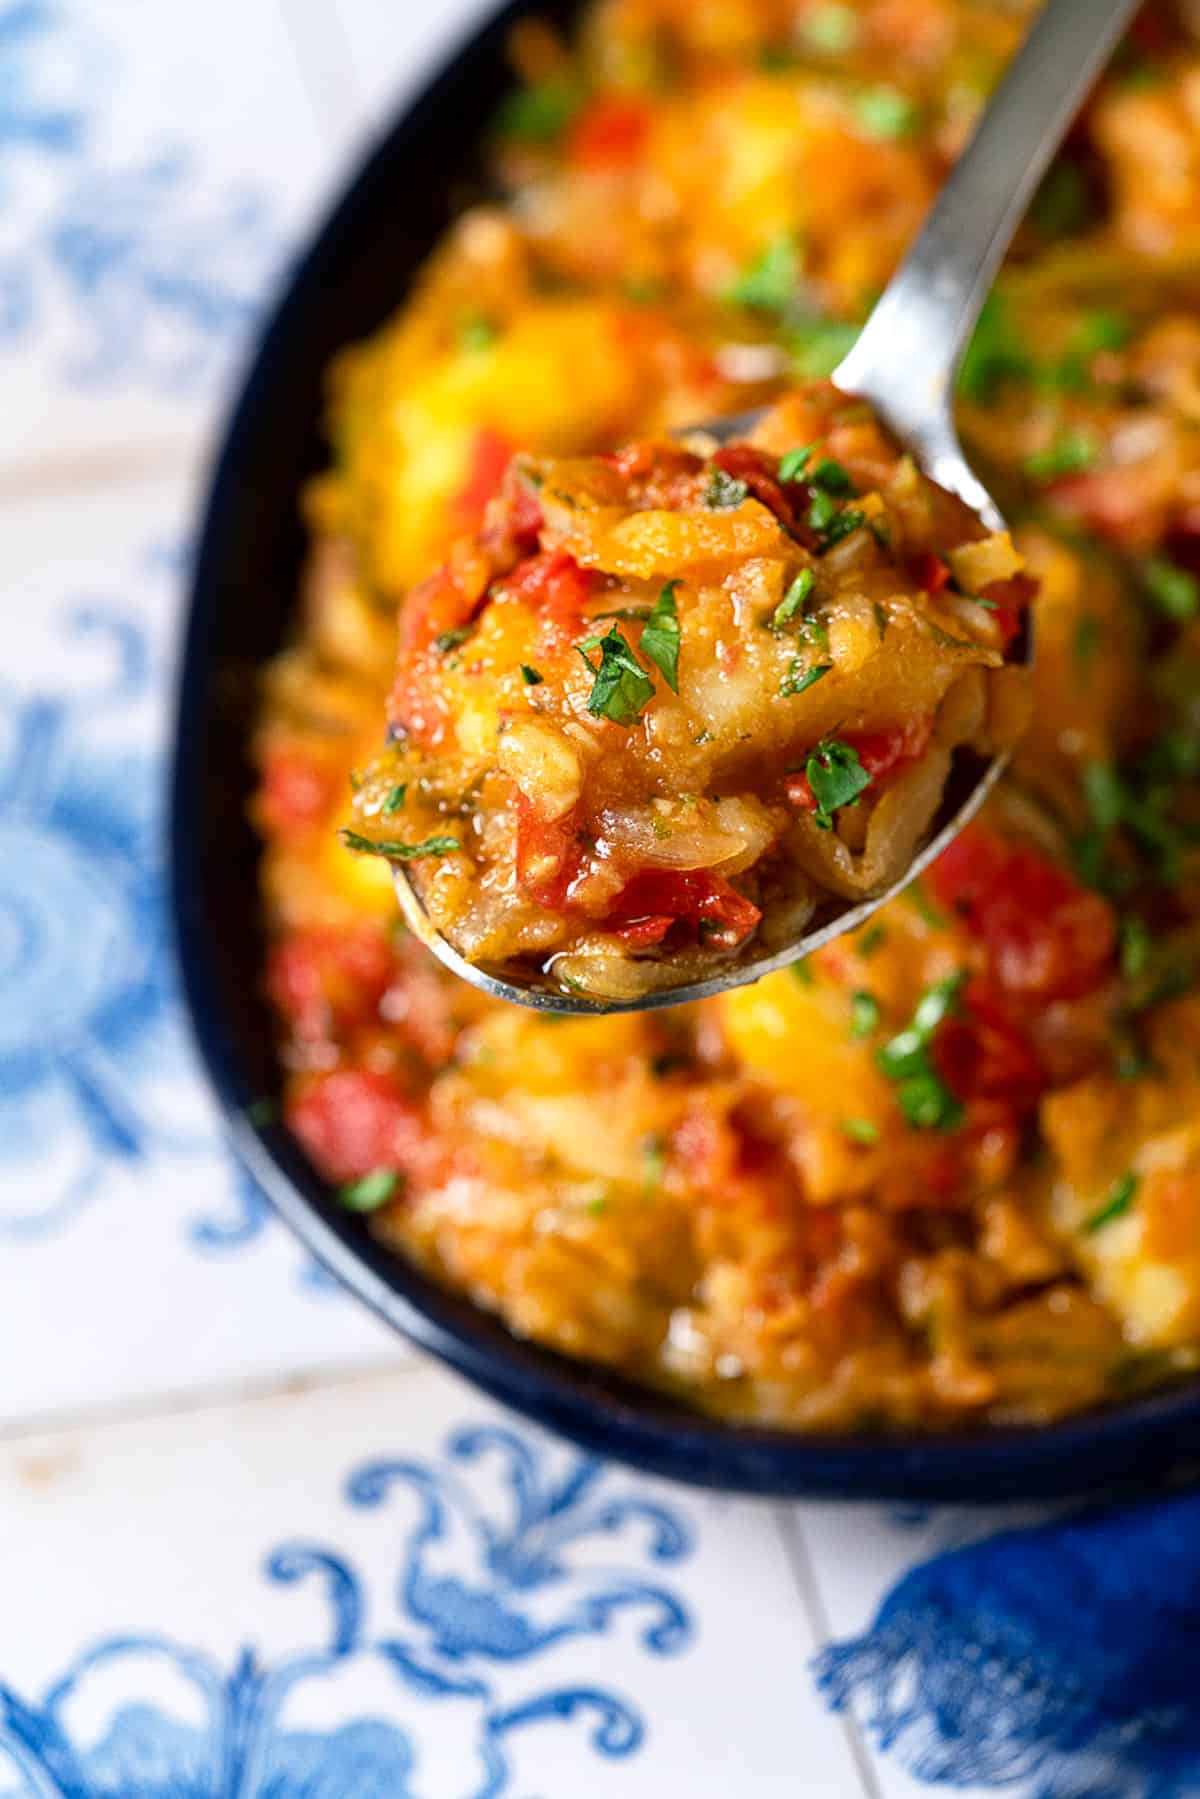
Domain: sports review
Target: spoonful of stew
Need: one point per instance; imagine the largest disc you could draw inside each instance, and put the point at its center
(680, 714)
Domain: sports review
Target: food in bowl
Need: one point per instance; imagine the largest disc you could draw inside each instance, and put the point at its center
(679, 700)
(948, 1171)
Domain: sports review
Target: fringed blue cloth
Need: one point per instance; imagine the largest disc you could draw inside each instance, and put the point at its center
(1062, 1661)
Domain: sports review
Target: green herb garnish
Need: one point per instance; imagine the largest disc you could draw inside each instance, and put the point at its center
(478, 332)
(1063, 202)
(871, 941)
(799, 679)
(724, 492)
(540, 113)
(830, 29)
(394, 800)
(769, 283)
(884, 113)
(836, 777)
(922, 1095)
(995, 355)
(793, 600)
(530, 676)
(864, 1014)
(793, 463)
(621, 686)
(1071, 453)
(371, 1191)
(1174, 590)
(1136, 944)
(861, 1130)
(832, 478)
(660, 638)
(1117, 1201)
(395, 851)
(450, 640)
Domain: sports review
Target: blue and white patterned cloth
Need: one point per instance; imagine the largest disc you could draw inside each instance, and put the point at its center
(471, 1611)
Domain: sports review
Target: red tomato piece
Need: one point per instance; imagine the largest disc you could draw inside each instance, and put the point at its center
(433, 607)
(294, 795)
(644, 931)
(1010, 600)
(1045, 936)
(491, 453)
(555, 586)
(1108, 502)
(549, 855)
(929, 571)
(982, 1054)
(883, 754)
(742, 462)
(355, 1120)
(690, 896)
(611, 133)
(325, 981)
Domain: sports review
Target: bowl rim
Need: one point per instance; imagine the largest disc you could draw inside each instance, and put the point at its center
(595, 1407)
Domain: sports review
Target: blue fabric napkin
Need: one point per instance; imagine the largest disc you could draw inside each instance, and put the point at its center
(1063, 1660)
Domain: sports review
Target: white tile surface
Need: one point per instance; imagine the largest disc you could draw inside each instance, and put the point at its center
(392, 49)
(669, 1614)
(134, 1258)
(158, 163)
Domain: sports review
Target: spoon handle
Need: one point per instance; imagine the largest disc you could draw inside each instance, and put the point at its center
(908, 353)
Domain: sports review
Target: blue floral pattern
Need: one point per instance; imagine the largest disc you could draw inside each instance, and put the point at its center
(424, 1694)
(159, 276)
(96, 1074)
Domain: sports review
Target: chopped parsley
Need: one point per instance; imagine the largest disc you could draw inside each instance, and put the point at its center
(817, 344)
(660, 638)
(794, 599)
(654, 1162)
(769, 283)
(1174, 590)
(540, 113)
(836, 777)
(450, 640)
(822, 511)
(793, 463)
(396, 851)
(724, 492)
(799, 679)
(864, 1014)
(371, 1191)
(394, 800)
(830, 29)
(884, 113)
(872, 940)
(621, 686)
(1135, 947)
(1144, 802)
(1070, 453)
(530, 675)
(1063, 202)
(861, 1130)
(995, 356)
(923, 906)
(832, 478)
(922, 1095)
(1117, 1201)
(477, 332)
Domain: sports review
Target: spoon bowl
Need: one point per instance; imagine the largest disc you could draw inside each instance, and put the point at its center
(904, 364)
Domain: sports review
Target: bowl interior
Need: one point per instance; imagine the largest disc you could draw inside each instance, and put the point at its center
(246, 578)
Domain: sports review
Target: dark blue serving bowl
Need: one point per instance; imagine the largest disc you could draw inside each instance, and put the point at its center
(246, 576)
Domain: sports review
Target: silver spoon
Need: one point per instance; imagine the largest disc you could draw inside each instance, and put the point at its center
(904, 363)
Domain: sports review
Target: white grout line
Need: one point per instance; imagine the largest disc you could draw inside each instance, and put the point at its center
(144, 1407)
(795, 1547)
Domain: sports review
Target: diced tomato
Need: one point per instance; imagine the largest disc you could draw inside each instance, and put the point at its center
(1108, 502)
(555, 586)
(326, 981)
(661, 475)
(355, 1120)
(883, 754)
(1010, 599)
(549, 855)
(437, 605)
(691, 896)
(610, 133)
(1045, 936)
(982, 1054)
(759, 471)
(644, 931)
(295, 793)
(491, 453)
(930, 572)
